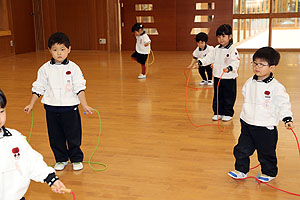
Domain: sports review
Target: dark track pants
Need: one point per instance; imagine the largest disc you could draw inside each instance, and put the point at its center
(65, 134)
(257, 138)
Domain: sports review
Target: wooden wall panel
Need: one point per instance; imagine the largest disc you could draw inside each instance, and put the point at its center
(185, 12)
(23, 26)
(73, 19)
(84, 21)
(49, 19)
(6, 49)
(102, 19)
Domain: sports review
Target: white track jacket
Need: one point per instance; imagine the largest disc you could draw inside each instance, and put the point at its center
(265, 102)
(59, 84)
(19, 164)
(140, 44)
(221, 58)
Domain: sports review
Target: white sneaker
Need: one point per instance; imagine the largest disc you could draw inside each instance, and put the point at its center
(226, 118)
(60, 166)
(216, 117)
(210, 82)
(142, 76)
(77, 166)
(265, 178)
(237, 174)
(203, 82)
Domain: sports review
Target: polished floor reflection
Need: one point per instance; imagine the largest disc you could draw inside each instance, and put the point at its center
(150, 148)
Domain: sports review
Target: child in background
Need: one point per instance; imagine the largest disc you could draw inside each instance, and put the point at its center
(265, 103)
(142, 47)
(200, 52)
(19, 163)
(225, 58)
(62, 85)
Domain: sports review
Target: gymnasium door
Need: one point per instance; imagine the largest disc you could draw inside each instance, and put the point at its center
(23, 26)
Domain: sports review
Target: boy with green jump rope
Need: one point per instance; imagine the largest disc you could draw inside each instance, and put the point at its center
(62, 85)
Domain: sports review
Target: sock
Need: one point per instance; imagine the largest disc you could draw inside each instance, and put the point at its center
(143, 69)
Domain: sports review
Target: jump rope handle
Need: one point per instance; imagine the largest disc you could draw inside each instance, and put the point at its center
(63, 189)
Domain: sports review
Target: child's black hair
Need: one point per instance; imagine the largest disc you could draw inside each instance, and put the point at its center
(137, 27)
(59, 38)
(224, 29)
(268, 54)
(2, 99)
(201, 37)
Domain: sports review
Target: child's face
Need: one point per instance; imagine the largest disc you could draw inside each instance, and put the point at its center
(201, 44)
(262, 69)
(224, 39)
(2, 117)
(59, 52)
(139, 32)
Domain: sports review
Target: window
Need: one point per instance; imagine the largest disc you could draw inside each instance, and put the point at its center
(145, 19)
(205, 6)
(195, 31)
(143, 7)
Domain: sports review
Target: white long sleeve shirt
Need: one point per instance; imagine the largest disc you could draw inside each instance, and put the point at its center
(140, 44)
(265, 102)
(199, 53)
(59, 83)
(221, 58)
(19, 164)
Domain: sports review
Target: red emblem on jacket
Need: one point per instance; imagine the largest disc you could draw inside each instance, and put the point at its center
(16, 153)
(267, 92)
(68, 72)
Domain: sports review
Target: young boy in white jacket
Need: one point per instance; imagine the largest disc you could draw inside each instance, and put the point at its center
(62, 85)
(265, 103)
(19, 163)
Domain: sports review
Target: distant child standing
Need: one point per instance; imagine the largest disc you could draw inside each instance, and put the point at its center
(19, 163)
(200, 52)
(225, 58)
(62, 85)
(265, 103)
(142, 47)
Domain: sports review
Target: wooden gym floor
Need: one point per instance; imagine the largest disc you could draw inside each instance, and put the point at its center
(150, 148)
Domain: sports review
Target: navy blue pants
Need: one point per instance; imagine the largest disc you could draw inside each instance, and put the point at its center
(227, 96)
(65, 134)
(257, 138)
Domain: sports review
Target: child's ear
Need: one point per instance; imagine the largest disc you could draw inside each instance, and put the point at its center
(69, 49)
(272, 68)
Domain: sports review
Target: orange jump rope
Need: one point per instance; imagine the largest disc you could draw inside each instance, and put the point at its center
(257, 180)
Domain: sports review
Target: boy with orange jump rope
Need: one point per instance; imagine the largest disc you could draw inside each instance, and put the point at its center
(225, 58)
(19, 163)
(265, 103)
(62, 85)
(201, 51)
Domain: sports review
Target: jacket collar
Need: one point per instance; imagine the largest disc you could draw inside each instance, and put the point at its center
(266, 80)
(5, 132)
(143, 33)
(227, 46)
(203, 49)
(65, 62)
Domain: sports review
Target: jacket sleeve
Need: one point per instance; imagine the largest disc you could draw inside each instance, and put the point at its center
(36, 168)
(39, 86)
(79, 83)
(208, 59)
(234, 60)
(283, 104)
